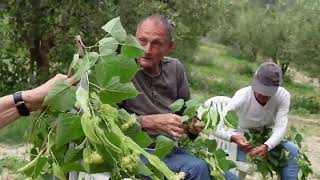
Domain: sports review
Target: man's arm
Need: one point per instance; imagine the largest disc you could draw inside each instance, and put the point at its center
(281, 122)
(183, 84)
(235, 104)
(32, 98)
(279, 130)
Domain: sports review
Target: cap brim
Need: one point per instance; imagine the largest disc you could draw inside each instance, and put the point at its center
(263, 89)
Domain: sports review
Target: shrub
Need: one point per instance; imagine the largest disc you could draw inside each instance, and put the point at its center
(306, 104)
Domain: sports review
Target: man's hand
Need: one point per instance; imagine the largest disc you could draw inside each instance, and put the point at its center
(260, 151)
(242, 142)
(34, 98)
(169, 124)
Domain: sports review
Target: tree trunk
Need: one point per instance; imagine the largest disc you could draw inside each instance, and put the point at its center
(40, 54)
(284, 68)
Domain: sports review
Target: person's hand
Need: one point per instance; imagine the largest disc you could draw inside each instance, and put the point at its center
(168, 124)
(34, 98)
(260, 151)
(196, 126)
(243, 144)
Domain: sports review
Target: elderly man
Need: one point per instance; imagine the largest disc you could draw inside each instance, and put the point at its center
(162, 80)
(264, 104)
(21, 103)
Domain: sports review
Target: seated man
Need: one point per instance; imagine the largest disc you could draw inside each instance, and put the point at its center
(162, 81)
(264, 104)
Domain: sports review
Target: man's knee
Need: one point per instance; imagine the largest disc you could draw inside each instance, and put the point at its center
(292, 148)
(200, 166)
(199, 169)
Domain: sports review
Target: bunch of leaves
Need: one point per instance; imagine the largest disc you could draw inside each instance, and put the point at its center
(207, 118)
(302, 160)
(277, 158)
(83, 130)
(203, 147)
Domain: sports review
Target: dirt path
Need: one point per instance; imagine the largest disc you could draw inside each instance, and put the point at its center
(312, 147)
(18, 151)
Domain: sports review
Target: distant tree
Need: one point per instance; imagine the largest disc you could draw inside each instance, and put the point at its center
(45, 28)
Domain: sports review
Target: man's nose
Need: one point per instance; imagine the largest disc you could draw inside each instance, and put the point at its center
(147, 48)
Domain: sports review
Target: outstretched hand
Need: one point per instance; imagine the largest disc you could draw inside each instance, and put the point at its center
(34, 98)
(241, 141)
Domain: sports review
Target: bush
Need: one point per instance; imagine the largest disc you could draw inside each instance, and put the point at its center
(306, 105)
(244, 69)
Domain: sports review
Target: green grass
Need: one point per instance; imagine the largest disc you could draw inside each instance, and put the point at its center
(215, 71)
(11, 165)
(14, 133)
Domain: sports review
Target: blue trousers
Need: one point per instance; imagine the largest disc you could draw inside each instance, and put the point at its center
(180, 161)
(291, 170)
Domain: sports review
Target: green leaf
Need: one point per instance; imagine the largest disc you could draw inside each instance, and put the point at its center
(131, 48)
(35, 167)
(112, 66)
(177, 105)
(72, 154)
(143, 169)
(185, 118)
(108, 46)
(92, 57)
(115, 28)
(88, 124)
(220, 154)
(211, 144)
(298, 138)
(142, 139)
(225, 164)
(61, 97)
(191, 107)
(164, 146)
(68, 129)
(83, 100)
(73, 166)
(58, 172)
(116, 92)
(83, 67)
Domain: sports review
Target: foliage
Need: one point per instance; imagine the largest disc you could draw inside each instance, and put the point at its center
(277, 158)
(202, 146)
(10, 163)
(44, 31)
(13, 64)
(283, 31)
(97, 137)
(303, 161)
(306, 104)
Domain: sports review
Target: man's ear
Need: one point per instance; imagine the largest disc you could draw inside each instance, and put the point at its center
(171, 45)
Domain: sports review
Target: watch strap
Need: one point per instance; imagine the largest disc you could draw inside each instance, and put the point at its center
(20, 105)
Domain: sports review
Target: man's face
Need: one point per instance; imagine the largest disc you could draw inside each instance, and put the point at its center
(262, 99)
(154, 39)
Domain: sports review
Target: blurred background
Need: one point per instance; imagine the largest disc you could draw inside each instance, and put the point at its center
(220, 42)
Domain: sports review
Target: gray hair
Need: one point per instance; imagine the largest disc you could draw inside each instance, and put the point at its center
(167, 24)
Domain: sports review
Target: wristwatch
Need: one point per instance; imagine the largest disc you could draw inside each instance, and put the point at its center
(20, 105)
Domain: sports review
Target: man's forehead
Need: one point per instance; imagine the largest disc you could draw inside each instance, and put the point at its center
(152, 27)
